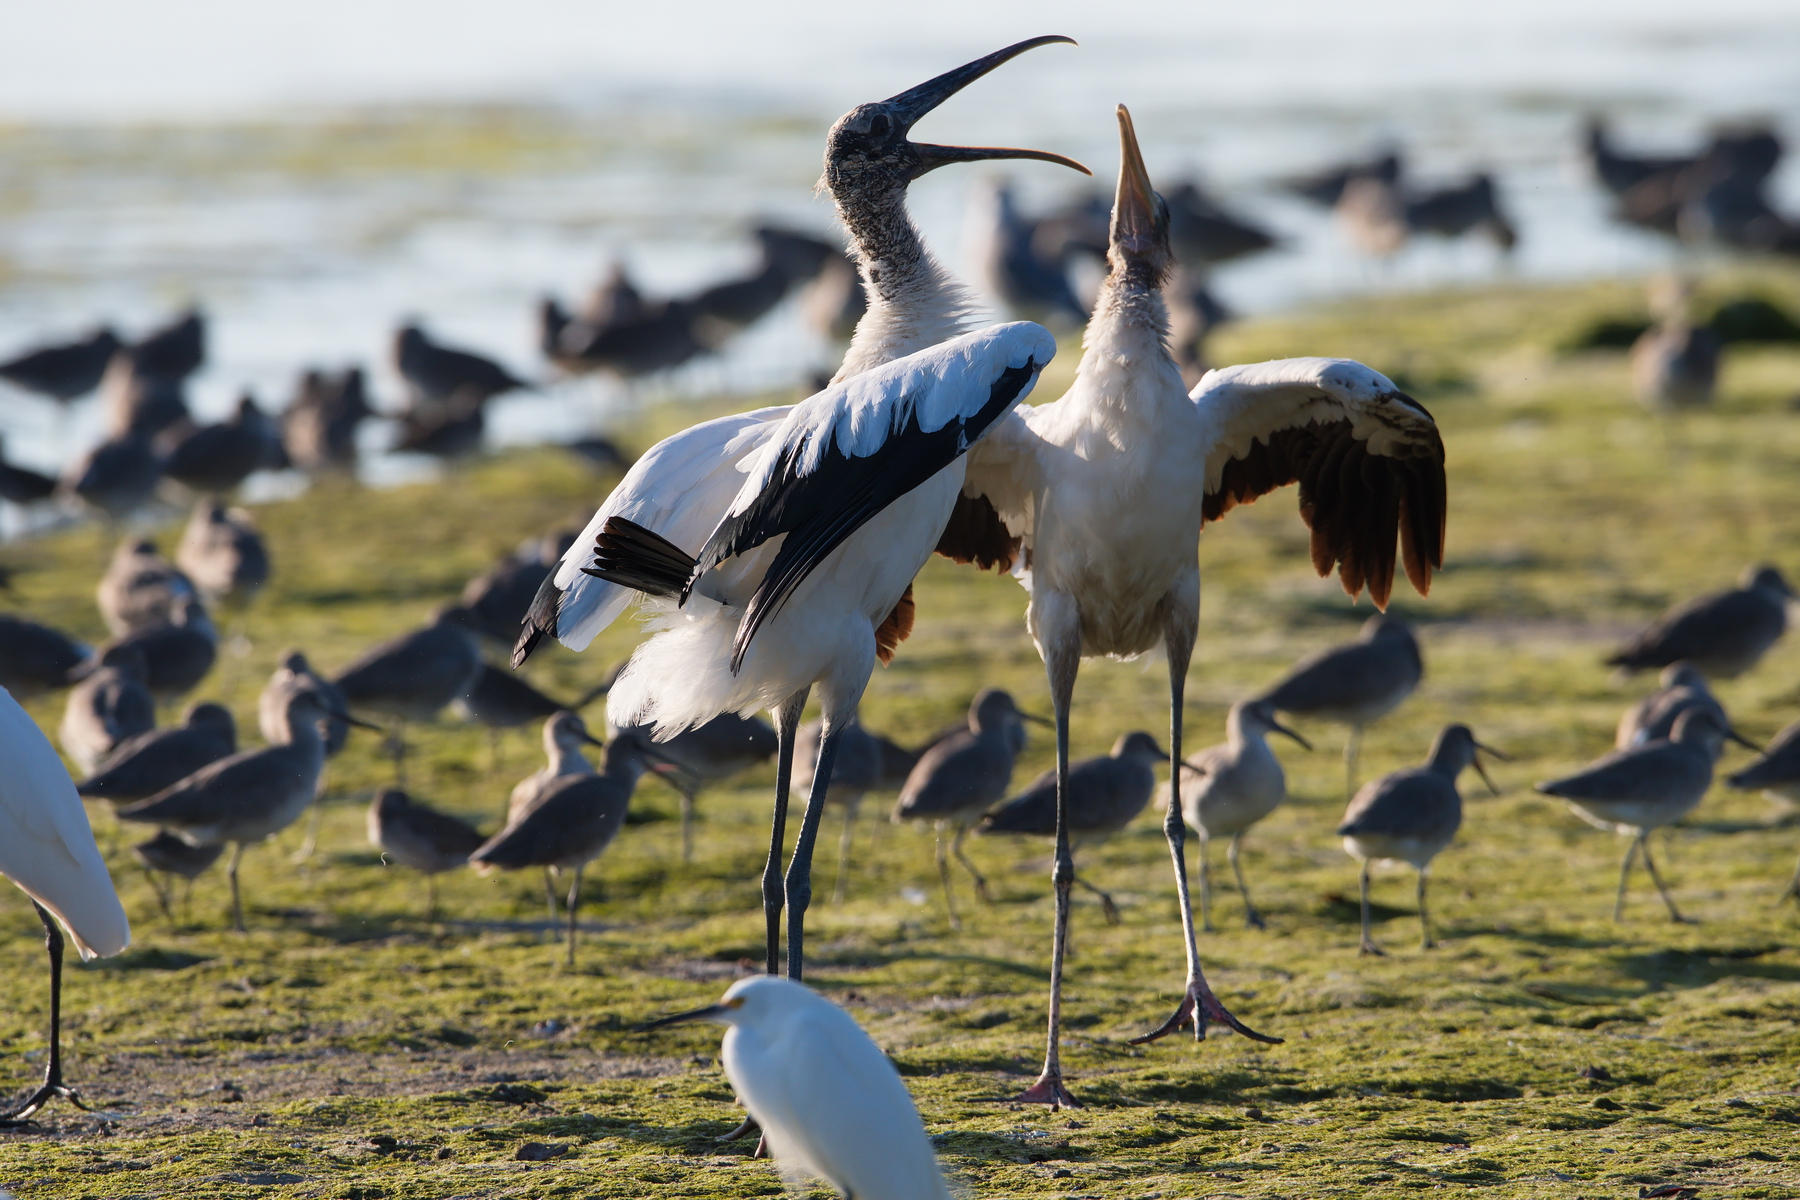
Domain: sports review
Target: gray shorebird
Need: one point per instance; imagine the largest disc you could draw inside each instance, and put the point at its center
(1675, 362)
(1412, 815)
(243, 799)
(418, 836)
(855, 772)
(501, 595)
(1229, 789)
(177, 653)
(1723, 633)
(1777, 774)
(218, 458)
(117, 477)
(1681, 686)
(1646, 787)
(35, 658)
(1355, 684)
(110, 705)
(166, 854)
(140, 588)
(569, 822)
(956, 781)
(223, 554)
(415, 676)
(63, 371)
(1104, 795)
(146, 764)
(295, 674)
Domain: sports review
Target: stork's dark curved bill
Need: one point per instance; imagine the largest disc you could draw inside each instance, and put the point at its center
(912, 104)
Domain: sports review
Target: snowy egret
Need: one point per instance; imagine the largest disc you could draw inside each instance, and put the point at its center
(829, 1102)
(1100, 497)
(47, 848)
(1723, 633)
(1411, 815)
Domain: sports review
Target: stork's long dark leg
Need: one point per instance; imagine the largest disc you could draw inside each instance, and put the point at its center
(1368, 942)
(1650, 865)
(1062, 660)
(574, 902)
(787, 722)
(1625, 874)
(1198, 1003)
(53, 1085)
(799, 872)
(1252, 918)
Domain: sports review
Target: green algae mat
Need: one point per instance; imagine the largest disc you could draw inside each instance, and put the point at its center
(347, 1047)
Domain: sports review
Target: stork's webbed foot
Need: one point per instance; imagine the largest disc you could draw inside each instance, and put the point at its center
(1199, 1007)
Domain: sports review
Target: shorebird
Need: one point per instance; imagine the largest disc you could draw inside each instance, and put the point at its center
(140, 588)
(415, 676)
(1233, 787)
(177, 653)
(144, 765)
(1031, 284)
(1777, 774)
(223, 554)
(1619, 173)
(1723, 634)
(501, 700)
(435, 373)
(218, 458)
(451, 430)
(711, 753)
(418, 836)
(1646, 787)
(963, 775)
(501, 595)
(244, 798)
(1104, 795)
(166, 854)
(569, 820)
(47, 848)
(116, 477)
(63, 371)
(855, 772)
(1681, 687)
(1675, 362)
(1355, 684)
(22, 485)
(108, 706)
(1412, 815)
(835, 595)
(295, 674)
(318, 430)
(36, 658)
(1326, 187)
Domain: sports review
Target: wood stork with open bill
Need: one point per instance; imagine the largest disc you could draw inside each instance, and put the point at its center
(47, 848)
(684, 488)
(1097, 501)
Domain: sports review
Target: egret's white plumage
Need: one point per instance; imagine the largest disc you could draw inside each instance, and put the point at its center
(828, 1100)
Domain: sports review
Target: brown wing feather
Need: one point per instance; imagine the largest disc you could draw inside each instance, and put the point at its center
(895, 629)
(1361, 507)
(976, 534)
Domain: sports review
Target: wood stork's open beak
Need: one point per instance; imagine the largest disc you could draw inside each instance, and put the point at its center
(909, 106)
(1134, 223)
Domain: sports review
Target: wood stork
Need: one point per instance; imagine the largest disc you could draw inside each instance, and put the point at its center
(1098, 499)
(889, 437)
(47, 848)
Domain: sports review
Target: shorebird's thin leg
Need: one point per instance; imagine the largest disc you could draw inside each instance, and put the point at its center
(1650, 865)
(162, 896)
(431, 897)
(1252, 918)
(53, 1085)
(1625, 874)
(314, 818)
(237, 903)
(956, 848)
(843, 871)
(1352, 750)
(1107, 907)
(1368, 942)
(550, 900)
(574, 903)
(787, 722)
(1199, 1004)
(1425, 942)
(943, 866)
(1793, 887)
(687, 824)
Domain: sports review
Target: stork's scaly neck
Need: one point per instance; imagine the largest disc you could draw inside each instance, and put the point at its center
(1125, 361)
(913, 302)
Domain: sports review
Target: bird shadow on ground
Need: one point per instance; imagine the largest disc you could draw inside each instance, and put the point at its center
(1707, 965)
(1346, 910)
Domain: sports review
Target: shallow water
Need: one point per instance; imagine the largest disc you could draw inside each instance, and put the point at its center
(312, 182)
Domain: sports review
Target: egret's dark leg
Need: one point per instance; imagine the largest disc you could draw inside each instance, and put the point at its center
(550, 900)
(956, 848)
(843, 871)
(237, 902)
(799, 872)
(1205, 881)
(943, 866)
(1625, 874)
(1252, 918)
(1650, 865)
(574, 902)
(1062, 660)
(687, 824)
(53, 1085)
(1198, 1003)
(1425, 942)
(1368, 942)
(787, 722)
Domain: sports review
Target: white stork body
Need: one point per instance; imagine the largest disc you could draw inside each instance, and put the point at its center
(1101, 495)
(47, 848)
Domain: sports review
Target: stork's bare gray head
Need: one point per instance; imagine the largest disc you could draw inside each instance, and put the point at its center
(869, 147)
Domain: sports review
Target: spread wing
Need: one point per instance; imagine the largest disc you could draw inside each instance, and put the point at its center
(1368, 459)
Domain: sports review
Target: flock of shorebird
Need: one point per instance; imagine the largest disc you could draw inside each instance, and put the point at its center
(775, 551)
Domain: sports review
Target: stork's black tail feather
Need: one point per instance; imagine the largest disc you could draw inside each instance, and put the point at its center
(631, 556)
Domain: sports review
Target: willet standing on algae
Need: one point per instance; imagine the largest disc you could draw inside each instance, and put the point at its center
(1723, 633)
(418, 836)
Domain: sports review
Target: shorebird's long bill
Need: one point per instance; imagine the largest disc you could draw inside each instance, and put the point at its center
(1134, 208)
(1482, 771)
(1741, 740)
(347, 719)
(909, 106)
(1035, 719)
(1278, 727)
